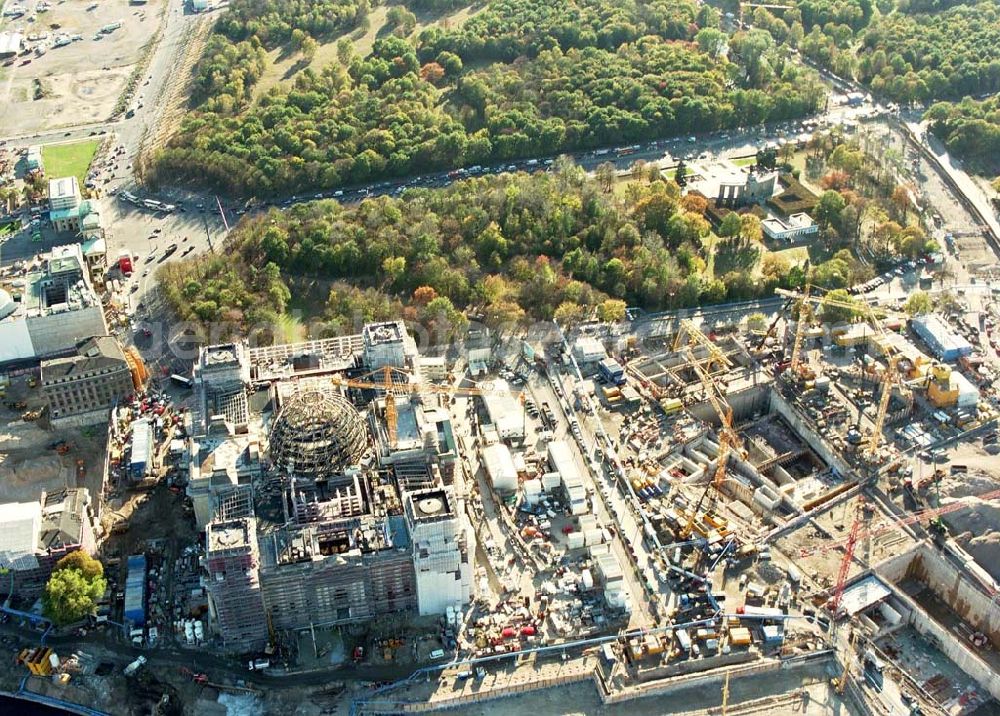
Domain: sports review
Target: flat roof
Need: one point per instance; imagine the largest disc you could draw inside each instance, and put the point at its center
(97, 353)
(866, 593)
(387, 332)
(60, 214)
(10, 42)
(20, 523)
(63, 188)
(228, 535)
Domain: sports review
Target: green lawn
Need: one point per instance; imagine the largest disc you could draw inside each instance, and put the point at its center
(63, 160)
(744, 161)
(797, 255)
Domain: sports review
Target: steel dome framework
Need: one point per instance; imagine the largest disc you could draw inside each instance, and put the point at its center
(317, 434)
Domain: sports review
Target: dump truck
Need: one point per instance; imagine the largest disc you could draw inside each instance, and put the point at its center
(135, 666)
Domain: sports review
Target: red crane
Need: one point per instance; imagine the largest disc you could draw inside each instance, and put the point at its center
(893, 524)
(852, 539)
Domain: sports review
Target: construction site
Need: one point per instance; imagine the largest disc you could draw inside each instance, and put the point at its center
(795, 514)
(712, 503)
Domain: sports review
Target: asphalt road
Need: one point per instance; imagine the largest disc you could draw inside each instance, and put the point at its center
(105, 647)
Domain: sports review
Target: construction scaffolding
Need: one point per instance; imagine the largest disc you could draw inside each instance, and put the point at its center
(317, 434)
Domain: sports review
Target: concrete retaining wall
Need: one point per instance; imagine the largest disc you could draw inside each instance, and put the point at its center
(689, 666)
(781, 406)
(929, 567)
(745, 403)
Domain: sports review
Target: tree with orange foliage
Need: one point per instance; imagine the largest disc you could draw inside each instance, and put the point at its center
(424, 295)
(432, 72)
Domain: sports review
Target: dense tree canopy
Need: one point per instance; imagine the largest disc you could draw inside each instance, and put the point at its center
(519, 79)
(970, 130)
(506, 247)
(922, 51)
(272, 22)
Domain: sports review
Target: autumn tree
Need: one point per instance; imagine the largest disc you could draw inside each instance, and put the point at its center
(432, 72)
(424, 295)
(751, 228)
(611, 310)
(606, 174)
(73, 589)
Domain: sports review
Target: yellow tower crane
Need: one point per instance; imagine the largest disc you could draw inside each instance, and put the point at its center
(848, 658)
(800, 329)
(891, 376)
(402, 385)
(694, 336)
(728, 439)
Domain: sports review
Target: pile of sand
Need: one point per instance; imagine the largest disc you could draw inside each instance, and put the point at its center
(977, 529)
(975, 482)
(31, 470)
(25, 479)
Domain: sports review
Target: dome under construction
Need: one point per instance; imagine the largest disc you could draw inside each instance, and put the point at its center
(317, 434)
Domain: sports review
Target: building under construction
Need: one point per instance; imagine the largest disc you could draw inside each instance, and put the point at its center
(360, 520)
(232, 558)
(337, 572)
(422, 450)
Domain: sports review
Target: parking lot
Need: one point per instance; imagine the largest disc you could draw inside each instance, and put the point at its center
(80, 81)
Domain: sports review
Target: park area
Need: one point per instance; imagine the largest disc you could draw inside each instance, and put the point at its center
(64, 160)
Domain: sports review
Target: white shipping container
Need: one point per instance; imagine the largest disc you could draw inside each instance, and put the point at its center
(551, 481)
(593, 536)
(588, 580)
(576, 540)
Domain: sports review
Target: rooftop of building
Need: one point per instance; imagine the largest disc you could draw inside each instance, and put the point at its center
(220, 451)
(56, 284)
(430, 505)
(10, 42)
(95, 354)
(94, 246)
(20, 523)
(368, 534)
(409, 424)
(710, 176)
(54, 521)
(230, 534)
(800, 220)
(387, 332)
(63, 188)
(63, 516)
(326, 355)
(220, 356)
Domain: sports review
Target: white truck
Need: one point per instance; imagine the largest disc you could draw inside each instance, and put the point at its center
(135, 666)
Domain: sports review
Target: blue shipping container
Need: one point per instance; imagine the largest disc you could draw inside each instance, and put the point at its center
(773, 634)
(612, 371)
(135, 591)
(943, 342)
